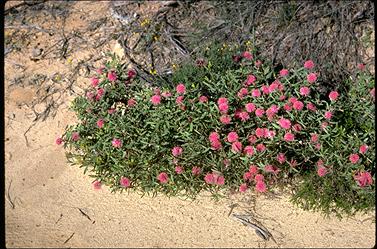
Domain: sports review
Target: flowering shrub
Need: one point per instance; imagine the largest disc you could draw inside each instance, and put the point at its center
(229, 122)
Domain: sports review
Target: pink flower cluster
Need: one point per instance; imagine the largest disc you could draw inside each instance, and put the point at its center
(363, 178)
(222, 104)
(214, 139)
(252, 175)
(214, 178)
(177, 151)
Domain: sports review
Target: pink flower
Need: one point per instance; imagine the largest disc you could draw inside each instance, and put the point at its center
(163, 177)
(196, 170)
(252, 139)
(236, 147)
(318, 146)
(261, 147)
(333, 95)
(328, 115)
(243, 187)
(253, 169)
(59, 141)
(285, 123)
(176, 151)
(242, 92)
(214, 136)
(320, 163)
(225, 119)
(363, 148)
(131, 102)
(100, 92)
(249, 150)
(272, 169)
(250, 80)
(255, 93)
(259, 132)
(274, 85)
(321, 171)
(304, 91)
(298, 105)
(259, 178)
(259, 112)
(250, 107)
(354, 158)
(203, 99)
(289, 137)
(209, 178)
(297, 127)
(363, 178)
(287, 107)
(260, 186)
(166, 94)
(309, 64)
(179, 100)
(117, 143)
(216, 145)
(181, 89)
(314, 138)
(100, 70)
(232, 137)
(247, 55)
(312, 77)
(226, 162)
(247, 176)
(125, 182)
(112, 76)
(131, 73)
(324, 125)
(97, 185)
(178, 170)
(281, 158)
(100, 123)
(284, 72)
(222, 100)
(272, 110)
(310, 106)
(220, 180)
(75, 136)
(94, 81)
(258, 63)
(361, 66)
(269, 133)
(265, 89)
(223, 108)
(89, 95)
(292, 100)
(156, 99)
(243, 116)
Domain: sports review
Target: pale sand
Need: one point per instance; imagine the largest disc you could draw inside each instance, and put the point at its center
(47, 194)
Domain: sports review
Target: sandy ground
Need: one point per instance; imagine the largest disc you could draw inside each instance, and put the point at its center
(52, 204)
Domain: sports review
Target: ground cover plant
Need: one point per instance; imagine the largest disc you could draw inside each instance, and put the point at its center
(229, 121)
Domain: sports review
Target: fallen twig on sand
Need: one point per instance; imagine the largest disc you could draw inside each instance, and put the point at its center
(83, 213)
(8, 196)
(70, 237)
(259, 230)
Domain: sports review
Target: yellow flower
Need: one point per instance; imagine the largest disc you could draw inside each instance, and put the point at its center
(156, 37)
(145, 22)
(153, 71)
(174, 66)
(69, 61)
